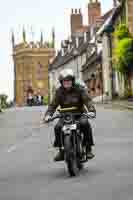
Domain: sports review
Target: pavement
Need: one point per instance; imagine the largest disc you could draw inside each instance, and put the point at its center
(117, 104)
(27, 170)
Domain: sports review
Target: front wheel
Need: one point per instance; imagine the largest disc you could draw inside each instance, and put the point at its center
(70, 156)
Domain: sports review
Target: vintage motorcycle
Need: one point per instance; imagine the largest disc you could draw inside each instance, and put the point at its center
(72, 139)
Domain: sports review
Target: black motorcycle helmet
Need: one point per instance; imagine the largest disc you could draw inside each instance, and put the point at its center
(67, 74)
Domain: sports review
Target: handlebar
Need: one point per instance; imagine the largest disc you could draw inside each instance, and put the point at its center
(55, 117)
(90, 116)
(58, 116)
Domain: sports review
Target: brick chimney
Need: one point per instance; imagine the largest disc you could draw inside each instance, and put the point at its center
(94, 11)
(76, 20)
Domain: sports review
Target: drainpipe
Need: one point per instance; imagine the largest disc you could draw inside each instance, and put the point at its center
(109, 30)
(110, 65)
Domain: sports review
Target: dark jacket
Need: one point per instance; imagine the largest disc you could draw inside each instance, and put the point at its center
(76, 97)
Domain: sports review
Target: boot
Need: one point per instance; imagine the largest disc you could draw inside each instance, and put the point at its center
(59, 156)
(55, 144)
(89, 154)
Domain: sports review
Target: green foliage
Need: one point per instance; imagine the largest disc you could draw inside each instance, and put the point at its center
(122, 32)
(45, 100)
(128, 93)
(49, 44)
(3, 101)
(123, 53)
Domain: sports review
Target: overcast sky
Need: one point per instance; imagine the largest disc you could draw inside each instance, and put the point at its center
(40, 15)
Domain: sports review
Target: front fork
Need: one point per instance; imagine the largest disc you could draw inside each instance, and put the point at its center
(75, 140)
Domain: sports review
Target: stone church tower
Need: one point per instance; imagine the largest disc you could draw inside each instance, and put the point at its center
(31, 62)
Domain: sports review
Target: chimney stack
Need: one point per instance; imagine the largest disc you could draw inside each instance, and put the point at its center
(94, 12)
(76, 20)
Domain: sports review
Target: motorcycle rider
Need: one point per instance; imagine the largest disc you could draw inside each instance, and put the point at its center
(69, 95)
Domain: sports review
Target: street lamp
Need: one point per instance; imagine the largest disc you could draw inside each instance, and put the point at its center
(76, 54)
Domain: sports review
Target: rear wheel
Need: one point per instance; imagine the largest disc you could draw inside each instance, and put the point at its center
(70, 157)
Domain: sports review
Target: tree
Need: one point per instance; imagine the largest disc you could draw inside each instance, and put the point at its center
(122, 32)
(123, 53)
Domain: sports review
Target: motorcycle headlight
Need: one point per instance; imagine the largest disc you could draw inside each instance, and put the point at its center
(68, 118)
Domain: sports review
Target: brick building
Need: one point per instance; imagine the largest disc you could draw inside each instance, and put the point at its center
(73, 53)
(76, 20)
(94, 13)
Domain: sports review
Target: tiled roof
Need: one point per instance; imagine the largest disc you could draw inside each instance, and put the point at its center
(109, 21)
(93, 58)
(62, 60)
(107, 14)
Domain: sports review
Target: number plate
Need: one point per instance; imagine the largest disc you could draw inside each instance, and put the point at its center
(71, 127)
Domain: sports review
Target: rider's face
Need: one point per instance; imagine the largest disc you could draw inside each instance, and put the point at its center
(67, 84)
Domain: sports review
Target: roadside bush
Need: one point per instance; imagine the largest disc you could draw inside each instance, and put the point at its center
(3, 102)
(122, 32)
(128, 93)
(45, 100)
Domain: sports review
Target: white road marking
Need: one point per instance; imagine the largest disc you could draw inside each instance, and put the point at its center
(12, 148)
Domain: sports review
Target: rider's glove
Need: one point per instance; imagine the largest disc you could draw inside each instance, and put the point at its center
(92, 114)
(92, 111)
(47, 118)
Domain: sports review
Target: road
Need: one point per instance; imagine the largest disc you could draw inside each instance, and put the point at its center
(27, 170)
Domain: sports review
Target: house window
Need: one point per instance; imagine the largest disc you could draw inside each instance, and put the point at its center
(93, 76)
